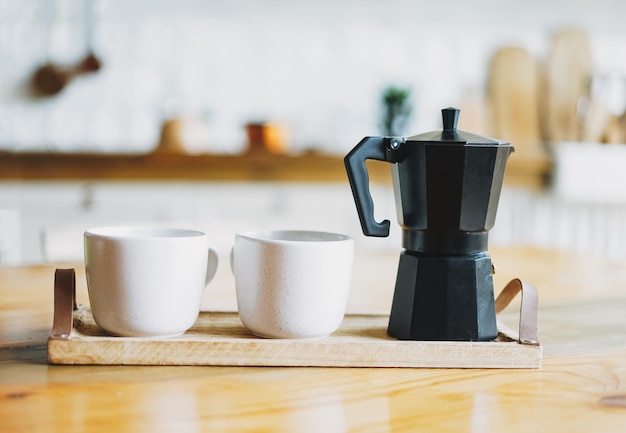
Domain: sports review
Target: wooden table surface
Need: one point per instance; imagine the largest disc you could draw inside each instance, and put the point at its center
(581, 386)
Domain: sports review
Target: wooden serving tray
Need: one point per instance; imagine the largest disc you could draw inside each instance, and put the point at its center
(219, 338)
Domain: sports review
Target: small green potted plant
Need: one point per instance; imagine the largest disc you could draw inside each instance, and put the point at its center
(396, 110)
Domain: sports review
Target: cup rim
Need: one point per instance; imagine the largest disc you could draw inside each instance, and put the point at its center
(294, 236)
(143, 232)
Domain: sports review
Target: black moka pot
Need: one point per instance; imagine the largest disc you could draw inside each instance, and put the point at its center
(447, 185)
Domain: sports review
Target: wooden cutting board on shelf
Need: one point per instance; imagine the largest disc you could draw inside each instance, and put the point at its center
(568, 71)
(512, 91)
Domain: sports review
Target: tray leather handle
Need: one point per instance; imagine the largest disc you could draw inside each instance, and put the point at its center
(528, 308)
(64, 303)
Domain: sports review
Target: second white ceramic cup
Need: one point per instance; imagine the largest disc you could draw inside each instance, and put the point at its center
(292, 284)
(146, 281)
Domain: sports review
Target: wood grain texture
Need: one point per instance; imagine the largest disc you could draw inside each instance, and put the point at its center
(582, 328)
(220, 339)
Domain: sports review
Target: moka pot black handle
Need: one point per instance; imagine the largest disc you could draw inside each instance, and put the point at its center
(376, 148)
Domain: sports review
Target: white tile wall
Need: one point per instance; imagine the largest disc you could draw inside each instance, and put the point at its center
(53, 216)
(544, 219)
(319, 66)
(45, 222)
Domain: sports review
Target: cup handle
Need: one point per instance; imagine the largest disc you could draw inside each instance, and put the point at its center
(211, 267)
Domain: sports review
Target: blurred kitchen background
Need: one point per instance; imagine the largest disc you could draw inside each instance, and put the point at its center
(200, 77)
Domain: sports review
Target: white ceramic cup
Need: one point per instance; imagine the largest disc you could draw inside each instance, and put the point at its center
(147, 281)
(292, 284)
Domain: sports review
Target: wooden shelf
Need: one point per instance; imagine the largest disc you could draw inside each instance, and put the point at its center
(526, 171)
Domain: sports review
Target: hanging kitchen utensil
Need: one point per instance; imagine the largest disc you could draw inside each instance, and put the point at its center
(50, 79)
